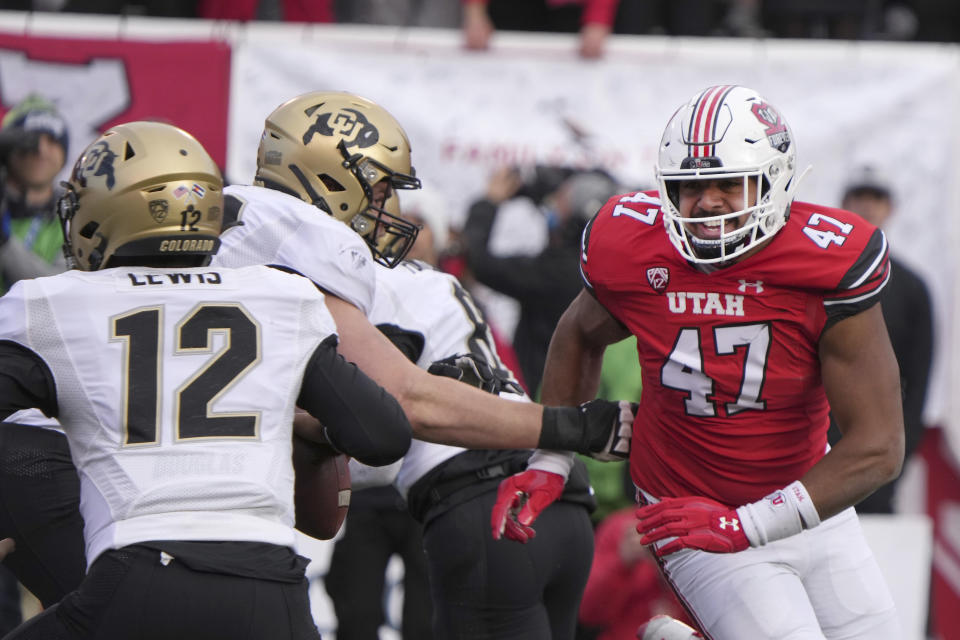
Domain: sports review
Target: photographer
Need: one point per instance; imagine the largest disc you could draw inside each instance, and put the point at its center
(545, 283)
(33, 150)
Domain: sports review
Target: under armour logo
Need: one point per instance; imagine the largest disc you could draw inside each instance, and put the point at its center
(758, 285)
(733, 522)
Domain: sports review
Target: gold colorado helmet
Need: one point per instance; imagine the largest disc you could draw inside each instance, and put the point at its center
(141, 190)
(329, 148)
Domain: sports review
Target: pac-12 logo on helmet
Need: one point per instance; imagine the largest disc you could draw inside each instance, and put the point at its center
(98, 161)
(350, 124)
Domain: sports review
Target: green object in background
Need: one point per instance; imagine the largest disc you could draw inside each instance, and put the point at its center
(619, 380)
(620, 376)
(607, 480)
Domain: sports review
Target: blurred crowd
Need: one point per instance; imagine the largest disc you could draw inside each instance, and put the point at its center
(917, 20)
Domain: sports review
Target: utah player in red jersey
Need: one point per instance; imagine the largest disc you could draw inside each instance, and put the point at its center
(755, 317)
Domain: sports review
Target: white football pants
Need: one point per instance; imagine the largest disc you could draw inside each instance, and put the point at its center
(822, 584)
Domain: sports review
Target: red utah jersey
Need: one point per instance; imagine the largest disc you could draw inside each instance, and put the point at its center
(733, 406)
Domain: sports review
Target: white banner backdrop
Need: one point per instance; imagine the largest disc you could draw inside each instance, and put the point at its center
(531, 99)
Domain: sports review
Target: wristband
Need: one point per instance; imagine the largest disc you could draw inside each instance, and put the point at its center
(584, 429)
(783, 513)
(558, 462)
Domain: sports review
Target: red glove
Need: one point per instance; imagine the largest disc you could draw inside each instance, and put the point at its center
(695, 522)
(520, 499)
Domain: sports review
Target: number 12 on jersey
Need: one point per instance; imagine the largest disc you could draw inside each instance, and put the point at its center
(141, 332)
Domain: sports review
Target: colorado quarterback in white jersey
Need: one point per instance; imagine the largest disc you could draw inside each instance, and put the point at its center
(176, 385)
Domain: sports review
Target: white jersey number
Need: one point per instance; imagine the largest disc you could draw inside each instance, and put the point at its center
(639, 206)
(141, 331)
(684, 370)
(824, 237)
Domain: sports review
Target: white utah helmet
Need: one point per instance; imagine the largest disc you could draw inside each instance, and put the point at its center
(727, 132)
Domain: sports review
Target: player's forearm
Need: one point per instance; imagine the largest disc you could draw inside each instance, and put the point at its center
(571, 373)
(448, 411)
(851, 471)
(862, 382)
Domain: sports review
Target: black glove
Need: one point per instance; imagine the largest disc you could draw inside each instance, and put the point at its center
(600, 428)
(475, 371)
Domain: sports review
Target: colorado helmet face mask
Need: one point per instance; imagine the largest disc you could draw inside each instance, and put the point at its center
(142, 190)
(329, 149)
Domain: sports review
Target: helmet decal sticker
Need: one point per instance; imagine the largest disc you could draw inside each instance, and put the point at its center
(99, 162)
(158, 210)
(776, 130)
(352, 125)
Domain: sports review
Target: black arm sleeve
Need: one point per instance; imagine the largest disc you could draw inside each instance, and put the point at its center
(360, 417)
(409, 342)
(25, 381)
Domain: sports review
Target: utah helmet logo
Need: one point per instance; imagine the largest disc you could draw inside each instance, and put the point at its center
(349, 124)
(158, 210)
(659, 278)
(97, 161)
(776, 129)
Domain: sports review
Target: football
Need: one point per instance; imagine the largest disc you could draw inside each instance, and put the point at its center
(321, 488)
(662, 627)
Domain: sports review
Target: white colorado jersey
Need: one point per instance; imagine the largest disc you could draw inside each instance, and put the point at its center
(279, 229)
(179, 427)
(417, 298)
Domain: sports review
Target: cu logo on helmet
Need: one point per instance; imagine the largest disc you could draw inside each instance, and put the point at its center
(776, 129)
(97, 161)
(351, 125)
